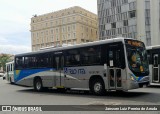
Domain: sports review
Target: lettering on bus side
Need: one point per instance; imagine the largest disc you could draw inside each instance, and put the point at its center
(74, 71)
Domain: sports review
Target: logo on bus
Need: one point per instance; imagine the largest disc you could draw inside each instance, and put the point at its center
(74, 71)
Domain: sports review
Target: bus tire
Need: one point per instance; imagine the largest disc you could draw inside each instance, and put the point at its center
(97, 87)
(38, 86)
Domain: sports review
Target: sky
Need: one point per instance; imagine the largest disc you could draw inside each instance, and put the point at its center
(15, 17)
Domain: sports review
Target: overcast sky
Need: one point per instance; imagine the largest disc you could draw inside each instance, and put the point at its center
(15, 15)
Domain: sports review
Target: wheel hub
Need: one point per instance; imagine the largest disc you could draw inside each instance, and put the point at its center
(38, 85)
(97, 87)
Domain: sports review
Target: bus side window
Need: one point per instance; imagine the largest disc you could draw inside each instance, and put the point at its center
(19, 62)
(91, 55)
(72, 58)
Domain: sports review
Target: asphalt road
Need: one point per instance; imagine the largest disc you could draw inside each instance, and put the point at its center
(17, 95)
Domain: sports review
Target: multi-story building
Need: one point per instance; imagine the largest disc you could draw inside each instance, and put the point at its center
(139, 19)
(69, 26)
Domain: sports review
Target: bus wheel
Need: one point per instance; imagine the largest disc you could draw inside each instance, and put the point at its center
(97, 87)
(38, 86)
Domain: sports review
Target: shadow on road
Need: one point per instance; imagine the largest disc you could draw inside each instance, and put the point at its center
(130, 95)
(153, 86)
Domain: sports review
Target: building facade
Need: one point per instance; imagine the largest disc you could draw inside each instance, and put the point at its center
(69, 26)
(138, 19)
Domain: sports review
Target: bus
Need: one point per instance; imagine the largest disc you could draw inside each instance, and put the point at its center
(114, 64)
(154, 64)
(9, 75)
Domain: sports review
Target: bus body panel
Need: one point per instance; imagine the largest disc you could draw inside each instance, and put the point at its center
(154, 64)
(57, 74)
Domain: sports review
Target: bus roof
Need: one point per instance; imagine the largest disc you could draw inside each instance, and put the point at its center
(10, 62)
(153, 47)
(77, 46)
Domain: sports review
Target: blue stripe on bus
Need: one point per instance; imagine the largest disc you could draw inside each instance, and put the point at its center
(20, 74)
(137, 78)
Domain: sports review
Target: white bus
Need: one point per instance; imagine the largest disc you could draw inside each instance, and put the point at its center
(154, 64)
(114, 64)
(9, 75)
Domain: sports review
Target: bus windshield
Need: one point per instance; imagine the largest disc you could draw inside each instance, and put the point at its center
(137, 57)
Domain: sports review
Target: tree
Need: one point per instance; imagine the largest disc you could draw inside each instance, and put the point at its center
(4, 58)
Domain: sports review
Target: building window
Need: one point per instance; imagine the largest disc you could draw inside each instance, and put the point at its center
(147, 22)
(69, 36)
(147, 4)
(64, 37)
(52, 38)
(113, 25)
(132, 14)
(124, 1)
(125, 29)
(147, 13)
(68, 29)
(148, 34)
(132, 5)
(113, 31)
(125, 22)
(119, 9)
(74, 27)
(51, 31)
(119, 30)
(74, 35)
(57, 30)
(57, 37)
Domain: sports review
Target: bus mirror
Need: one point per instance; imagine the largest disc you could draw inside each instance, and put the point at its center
(105, 66)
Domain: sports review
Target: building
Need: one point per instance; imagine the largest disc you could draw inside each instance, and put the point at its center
(69, 26)
(138, 19)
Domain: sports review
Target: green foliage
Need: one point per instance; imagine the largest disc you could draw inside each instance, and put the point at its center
(4, 58)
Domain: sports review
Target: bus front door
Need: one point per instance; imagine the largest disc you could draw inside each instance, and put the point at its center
(59, 78)
(155, 70)
(115, 61)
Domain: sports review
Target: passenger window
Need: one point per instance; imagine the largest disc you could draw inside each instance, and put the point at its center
(19, 62)
(91, 55)
(72, 58)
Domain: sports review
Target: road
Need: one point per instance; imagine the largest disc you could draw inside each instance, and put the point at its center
(17, 95)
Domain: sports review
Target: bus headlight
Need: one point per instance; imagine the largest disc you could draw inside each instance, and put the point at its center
(132, 78)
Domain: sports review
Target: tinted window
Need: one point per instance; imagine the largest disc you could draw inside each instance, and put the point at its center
(44, 60)
(115, 55)
(34, 61)
(19, 62)
(90, 55)
(72, 58)
(149, 55)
